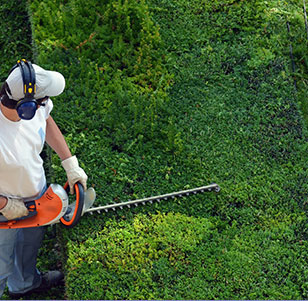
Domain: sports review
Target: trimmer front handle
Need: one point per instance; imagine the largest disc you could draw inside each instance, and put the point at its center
(70, 219)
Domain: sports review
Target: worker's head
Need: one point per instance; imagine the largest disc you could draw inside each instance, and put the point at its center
(29, 86)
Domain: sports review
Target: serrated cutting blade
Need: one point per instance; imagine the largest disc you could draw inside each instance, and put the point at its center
(212, 187)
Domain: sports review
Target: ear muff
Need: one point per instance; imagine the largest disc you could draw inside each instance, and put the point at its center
(27, 106)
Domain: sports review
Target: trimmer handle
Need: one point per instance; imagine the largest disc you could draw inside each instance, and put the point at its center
(78, 206)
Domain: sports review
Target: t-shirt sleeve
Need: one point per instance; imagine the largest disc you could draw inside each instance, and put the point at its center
(48, 108)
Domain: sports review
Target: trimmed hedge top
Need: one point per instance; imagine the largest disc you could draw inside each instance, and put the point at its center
(230, 116)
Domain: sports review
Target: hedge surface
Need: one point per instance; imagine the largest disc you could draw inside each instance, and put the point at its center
(15, 35)
(167, 95)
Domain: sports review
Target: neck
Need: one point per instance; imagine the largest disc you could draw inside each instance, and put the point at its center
(10, 114)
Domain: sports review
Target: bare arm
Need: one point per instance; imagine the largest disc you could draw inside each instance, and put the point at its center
(55, 139)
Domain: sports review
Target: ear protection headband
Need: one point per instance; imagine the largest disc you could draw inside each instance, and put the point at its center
(27, 106)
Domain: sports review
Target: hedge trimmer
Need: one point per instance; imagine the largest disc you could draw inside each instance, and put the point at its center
(54, 207)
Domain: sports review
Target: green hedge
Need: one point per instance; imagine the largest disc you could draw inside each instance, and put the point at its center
(231, 116)
(174, 256)
(110, 54)
(15, 35)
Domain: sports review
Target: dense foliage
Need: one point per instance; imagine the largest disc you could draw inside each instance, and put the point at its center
(172, 94)
(110, 53)
(15, 35)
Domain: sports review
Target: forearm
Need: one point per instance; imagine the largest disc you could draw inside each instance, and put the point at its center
(55, 140)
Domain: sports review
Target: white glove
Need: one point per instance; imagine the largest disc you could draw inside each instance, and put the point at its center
(14, 208)
(74, 173)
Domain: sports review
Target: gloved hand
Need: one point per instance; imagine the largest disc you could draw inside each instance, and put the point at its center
(74, 173)
(14, 208)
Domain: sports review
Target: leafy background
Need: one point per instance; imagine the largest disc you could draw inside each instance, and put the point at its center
(167, 95)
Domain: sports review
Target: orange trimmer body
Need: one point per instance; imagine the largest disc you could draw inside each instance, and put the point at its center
(46, 210)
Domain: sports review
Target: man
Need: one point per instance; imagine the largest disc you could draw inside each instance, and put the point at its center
(25, 125)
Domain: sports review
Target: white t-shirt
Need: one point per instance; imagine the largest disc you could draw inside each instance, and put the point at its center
(21, 167)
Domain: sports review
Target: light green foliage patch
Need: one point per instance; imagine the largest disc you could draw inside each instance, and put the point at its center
(167, 256)
(110, 53)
